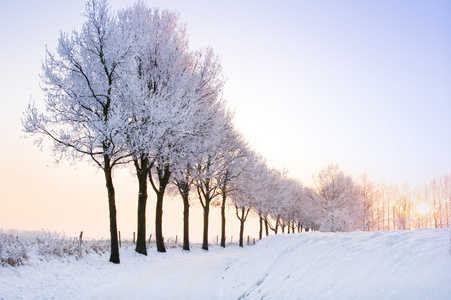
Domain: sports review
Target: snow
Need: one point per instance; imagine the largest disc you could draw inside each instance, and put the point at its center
(377, 265)
(360, 265)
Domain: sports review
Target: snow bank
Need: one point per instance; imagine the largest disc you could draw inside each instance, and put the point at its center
(361, 265)
(171, 275)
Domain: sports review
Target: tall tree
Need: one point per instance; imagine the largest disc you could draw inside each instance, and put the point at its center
(161, 84)
(83, 113)
(162, 176)
(245, 189)
(191, 121)
(210, 110)
(276, 201)
(183, 181)
(206, 186)
(263, 194)
(208, 167)
(235, 160)
(194, 147)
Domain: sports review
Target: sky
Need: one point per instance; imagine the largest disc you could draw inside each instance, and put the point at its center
(364, 84)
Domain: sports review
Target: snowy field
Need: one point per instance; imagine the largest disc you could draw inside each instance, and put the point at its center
(361, 265)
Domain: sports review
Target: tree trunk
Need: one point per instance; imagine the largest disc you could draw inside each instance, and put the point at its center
(266, 227)
(260, 232)
(114, 255)
(141, 172)
(185, 221)
(244, 213)
(184, 188)
(242, 231)
(223, 220)
(158, 223)
(163, 178)
(206, 213)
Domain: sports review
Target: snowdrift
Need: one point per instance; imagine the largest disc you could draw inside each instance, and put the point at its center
(360, 265)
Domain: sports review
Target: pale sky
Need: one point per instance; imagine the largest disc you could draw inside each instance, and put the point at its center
(365, 84)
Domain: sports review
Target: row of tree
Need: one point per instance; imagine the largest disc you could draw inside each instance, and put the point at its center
(333, 203)
(338, 202)
(128, 90)
(394, 207)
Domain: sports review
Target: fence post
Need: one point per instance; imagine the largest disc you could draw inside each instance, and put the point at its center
(217, 240)
(133, 237)
(176, 238)
(150, 237)
(248, 240)
(231, 239)
(81, 238)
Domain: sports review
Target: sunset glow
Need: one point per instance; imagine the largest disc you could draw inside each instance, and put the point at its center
(423, 208)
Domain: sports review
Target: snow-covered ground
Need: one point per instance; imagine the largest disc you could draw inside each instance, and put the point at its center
(360, 265)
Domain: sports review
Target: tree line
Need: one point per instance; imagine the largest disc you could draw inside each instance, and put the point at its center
(337, 202)
(126, 90)
(398, 207)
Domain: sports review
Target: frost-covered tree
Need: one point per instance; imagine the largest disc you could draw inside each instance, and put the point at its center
(210, 111)
(206, 186)
(83, 110)
(264, 178)
(236, 157)
(208, 168)
(276, 203)
(185, 163)
(171, 97)
(196, 117)
(292, 214)
(367, 193)
(183, 181)
(245, 188)
(159, 90)
(339, 200)
(187, 171)
(310, 211)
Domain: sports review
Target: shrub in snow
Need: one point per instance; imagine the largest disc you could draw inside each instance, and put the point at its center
(51, 245)
(13, 251)
(96, 246)
(17, 248)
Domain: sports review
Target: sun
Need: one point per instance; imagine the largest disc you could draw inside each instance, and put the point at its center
(423, 208)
